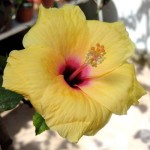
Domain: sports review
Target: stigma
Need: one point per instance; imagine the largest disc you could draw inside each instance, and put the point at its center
(95, 55)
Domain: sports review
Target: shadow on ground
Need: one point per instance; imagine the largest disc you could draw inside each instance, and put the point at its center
(21, 130)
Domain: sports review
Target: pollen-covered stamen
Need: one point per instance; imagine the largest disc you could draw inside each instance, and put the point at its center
(95, 55)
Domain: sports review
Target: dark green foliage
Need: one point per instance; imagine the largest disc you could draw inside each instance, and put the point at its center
(39, 123)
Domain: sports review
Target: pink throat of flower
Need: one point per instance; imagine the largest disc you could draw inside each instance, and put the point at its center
(75, 74)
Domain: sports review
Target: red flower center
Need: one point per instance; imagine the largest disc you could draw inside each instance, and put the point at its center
(72, 65)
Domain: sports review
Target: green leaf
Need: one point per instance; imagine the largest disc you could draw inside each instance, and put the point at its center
(39, 123)
(3, 61)
(1, 80)
(8, 99)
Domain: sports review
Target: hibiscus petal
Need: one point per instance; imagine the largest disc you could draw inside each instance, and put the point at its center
(30, 71)
(64, 30)
(117, 90)
(70, 112)
(33, 72)
(116, 42)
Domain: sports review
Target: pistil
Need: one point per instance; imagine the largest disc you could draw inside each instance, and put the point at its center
(76, 72)
(94, 57)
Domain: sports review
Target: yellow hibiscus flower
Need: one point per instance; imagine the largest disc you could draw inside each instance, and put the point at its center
(74, 72)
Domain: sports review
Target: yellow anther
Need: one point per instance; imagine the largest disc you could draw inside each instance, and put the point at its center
(95, 55)
(98, 45)
(92, 48)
